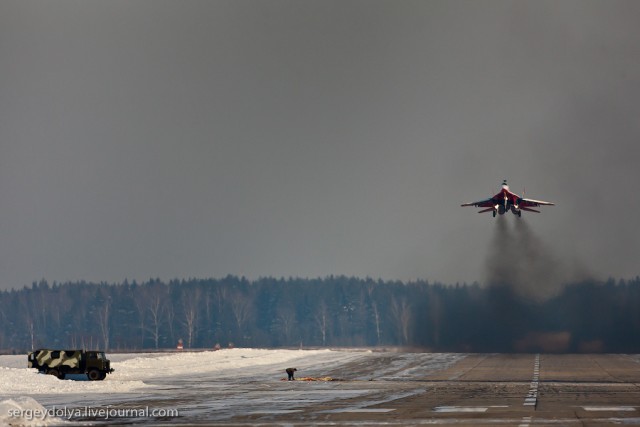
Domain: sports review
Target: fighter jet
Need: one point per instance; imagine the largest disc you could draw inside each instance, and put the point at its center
(506, 201)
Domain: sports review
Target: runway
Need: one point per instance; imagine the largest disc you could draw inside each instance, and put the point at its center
(245, 387)
(488, 389)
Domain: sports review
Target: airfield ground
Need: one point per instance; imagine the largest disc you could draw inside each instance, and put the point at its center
(496, 389)
(243, 387)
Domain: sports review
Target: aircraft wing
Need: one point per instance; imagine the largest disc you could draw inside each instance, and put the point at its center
(487, 203)
(534, 203)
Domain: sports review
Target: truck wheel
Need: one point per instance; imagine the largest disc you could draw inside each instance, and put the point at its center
(94, 375)
(56, 373)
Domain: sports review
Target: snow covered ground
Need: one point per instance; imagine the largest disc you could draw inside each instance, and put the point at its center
(200, 387)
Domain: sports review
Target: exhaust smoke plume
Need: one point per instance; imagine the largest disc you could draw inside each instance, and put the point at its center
(519, 260)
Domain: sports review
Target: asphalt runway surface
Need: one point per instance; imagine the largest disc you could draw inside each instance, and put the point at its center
(487, 389)
(390, 388)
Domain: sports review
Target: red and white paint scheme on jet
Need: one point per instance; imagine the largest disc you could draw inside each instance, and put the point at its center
(506, 201)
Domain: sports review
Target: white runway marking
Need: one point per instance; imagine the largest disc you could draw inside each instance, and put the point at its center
(609, 408)
(525, 422)
(532, 396)
(460, 409)
(358, 410)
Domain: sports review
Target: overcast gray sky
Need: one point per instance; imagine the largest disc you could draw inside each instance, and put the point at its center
(180, 139)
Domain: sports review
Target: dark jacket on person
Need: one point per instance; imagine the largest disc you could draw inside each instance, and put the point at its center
(290, 372)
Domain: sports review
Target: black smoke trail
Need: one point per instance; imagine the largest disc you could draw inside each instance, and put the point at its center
(520, 260)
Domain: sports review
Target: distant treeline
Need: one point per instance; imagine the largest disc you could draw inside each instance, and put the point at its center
(331, 312)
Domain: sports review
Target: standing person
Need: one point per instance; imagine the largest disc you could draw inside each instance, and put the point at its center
(290, 372)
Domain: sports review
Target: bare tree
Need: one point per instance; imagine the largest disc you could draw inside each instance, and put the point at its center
(104, 317)
(401, 315)
(32, 332)
(222, 296)
(170, 314)
(59, 305)
(286, 321)
(322, 321)
(435, 314)
(141, 302)
(242, 308)
(376, 319)
(156, 308)
(3, 318)
(190, 309)
(41, 307)
(26, 303)
(376, 313)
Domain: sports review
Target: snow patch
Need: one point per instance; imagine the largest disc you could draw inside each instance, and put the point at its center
(219, 385)
(231, 362)
(25, 411)
(17, 382)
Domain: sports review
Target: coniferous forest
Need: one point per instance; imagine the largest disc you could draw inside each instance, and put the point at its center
(328, 312)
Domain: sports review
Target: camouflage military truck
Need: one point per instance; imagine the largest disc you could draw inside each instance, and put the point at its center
(62, 362)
